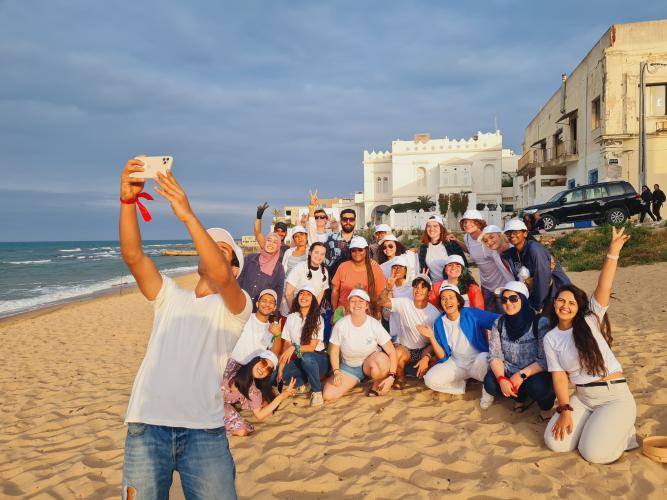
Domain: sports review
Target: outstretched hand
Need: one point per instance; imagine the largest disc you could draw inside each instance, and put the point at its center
(130, 187)
(168, 188)
(426, 331)
(618, 239)
(313, 197)
(261, 209)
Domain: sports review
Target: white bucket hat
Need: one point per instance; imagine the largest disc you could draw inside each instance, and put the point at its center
(491, 229)
(270, 292)
(448, 286)
(382, 228)
(435, 218)
(358, 292)
(455, 259)
(515, 225)
(358, 242)
(515, 286)
(264, 354)
(399, 260)
(389, 237)
(305, 288)
(472, 215)
(222, 235)
(299, 229)
(424, 277)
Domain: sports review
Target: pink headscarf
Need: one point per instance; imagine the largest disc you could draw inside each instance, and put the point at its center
(267, 261)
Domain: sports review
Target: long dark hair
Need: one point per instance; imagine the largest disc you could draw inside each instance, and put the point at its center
(590, 356)
(400, 250)
(370, 277)
(244, 379)
(313, 319)
(322, 266)
(465, 280)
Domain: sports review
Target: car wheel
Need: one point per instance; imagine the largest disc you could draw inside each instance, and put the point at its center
(549, 222)
(616, 216)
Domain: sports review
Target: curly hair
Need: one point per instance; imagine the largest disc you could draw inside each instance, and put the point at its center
(312, 320)
(400, 250)
(590, 356)
(443, 234)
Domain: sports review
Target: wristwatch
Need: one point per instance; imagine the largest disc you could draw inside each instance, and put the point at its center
(523, 375)
(562, 408)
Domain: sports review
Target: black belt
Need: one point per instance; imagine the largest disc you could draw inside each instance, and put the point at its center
(601, 383)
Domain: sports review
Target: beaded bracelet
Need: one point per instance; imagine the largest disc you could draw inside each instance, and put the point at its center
(297, 350)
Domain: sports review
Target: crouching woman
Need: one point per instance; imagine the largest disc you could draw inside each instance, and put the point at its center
(460, 343)
(366, 351)
(247, 385)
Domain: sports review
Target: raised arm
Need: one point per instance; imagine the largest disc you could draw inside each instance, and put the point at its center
(606, 279)
(258, 224)
(140, 265)
(217, 268)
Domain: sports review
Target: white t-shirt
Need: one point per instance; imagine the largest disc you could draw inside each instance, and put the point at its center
(404, 290)
(562, 354)
(313, 235)
(178, 383)
(435, 261)
(299, 276)
(409, 318)
(255, 336)
(463, 352)
(492, 272)
(358, 342)
(290, 260)
(292, 330)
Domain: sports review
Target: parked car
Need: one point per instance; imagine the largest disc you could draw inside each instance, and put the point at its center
(604, 202)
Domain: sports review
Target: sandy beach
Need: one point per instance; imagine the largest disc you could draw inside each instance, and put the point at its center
(67, 373)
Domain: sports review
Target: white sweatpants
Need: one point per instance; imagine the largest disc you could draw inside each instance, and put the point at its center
(603, 424)
(450, 376)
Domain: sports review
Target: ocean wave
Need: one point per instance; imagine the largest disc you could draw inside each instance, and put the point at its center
(21, 262)
(70, 250)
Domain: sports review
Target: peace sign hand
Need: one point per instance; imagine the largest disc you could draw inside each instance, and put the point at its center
(618, 239)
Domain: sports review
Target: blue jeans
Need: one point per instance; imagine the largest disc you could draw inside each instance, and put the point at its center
(201, 457)
(539, 388)
(311, 368)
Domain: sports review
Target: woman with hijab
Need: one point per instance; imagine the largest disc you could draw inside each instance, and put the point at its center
(263, 270)
(517, 365)
(247, 385)
(457, 274)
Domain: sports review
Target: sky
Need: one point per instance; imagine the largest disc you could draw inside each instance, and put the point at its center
(258, 101)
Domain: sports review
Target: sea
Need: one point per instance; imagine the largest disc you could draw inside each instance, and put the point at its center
(36, 275)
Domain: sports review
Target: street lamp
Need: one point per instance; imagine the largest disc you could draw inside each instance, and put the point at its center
(642, 115)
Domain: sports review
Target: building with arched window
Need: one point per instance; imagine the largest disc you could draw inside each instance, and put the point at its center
(428, 167)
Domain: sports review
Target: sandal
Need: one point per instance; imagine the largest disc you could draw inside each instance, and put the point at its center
(399, 384)
(372, 393)
(522, 407)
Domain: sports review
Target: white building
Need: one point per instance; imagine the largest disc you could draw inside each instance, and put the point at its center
(428, 167)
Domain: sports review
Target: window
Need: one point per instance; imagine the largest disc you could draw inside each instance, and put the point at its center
(552, 182)
(593, 176)
(595, 113)
(288, 213)
(616, 189)
(489, 175)
(421, 177)
(655, 94)
(571, 183)
(595, 192)
(385, 184)
(576, 195)
(378, 185)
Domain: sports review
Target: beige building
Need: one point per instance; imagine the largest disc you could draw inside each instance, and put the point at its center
(589, 130)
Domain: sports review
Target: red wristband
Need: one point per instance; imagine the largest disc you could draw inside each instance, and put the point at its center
(145, 214)
(503, 377)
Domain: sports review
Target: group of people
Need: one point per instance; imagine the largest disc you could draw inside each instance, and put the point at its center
(328, 311)
(651, 203)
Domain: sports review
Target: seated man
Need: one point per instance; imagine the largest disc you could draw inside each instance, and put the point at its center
(176, 411)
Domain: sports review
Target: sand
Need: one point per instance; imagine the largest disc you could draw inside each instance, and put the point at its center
(67, 373)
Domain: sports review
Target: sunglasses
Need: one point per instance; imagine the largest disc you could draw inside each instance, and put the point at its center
(348, 219)
(389, 246)
(320, 217)
(512, 298)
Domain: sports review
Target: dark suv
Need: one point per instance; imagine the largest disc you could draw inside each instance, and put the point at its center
(610, 202)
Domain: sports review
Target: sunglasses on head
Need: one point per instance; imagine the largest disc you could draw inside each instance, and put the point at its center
(348, 219)
(320, 217)
(512, 298)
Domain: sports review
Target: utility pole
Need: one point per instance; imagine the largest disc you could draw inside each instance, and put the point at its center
(643, 66)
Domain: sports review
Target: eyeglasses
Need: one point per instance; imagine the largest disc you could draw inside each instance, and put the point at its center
(320, 217)
(512, 298)
(348, 219)
(387, 246)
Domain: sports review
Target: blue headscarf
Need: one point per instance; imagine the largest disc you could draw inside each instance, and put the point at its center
(517, 324)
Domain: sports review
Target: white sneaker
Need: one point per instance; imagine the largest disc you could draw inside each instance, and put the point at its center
(486, 401)
(316, 399)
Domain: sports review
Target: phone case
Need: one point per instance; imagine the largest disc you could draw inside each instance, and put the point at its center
(153, 165)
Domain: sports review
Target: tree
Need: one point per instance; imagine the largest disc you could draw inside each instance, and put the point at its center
(425, 200)
(458, 203)
(443, 203)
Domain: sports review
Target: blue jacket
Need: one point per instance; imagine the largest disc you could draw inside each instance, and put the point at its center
(474, 323)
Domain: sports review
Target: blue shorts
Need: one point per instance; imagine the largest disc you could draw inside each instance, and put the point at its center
(353, 371)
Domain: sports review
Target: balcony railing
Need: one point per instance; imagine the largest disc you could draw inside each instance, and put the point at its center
(563, 154)
(531, 159)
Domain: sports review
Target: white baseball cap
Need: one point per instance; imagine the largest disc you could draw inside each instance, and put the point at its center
(265, 354)
(222, 235)
(399, 260)
(491, 229)
(389, 237)
(436, 218)
(455, 259)
(515, 286)
(515, 225)
(472, 215)
(447, 286)
(382, 228)
(358, 292)
(424, 277)
(358, 242)
(268, 291)
(299, 229)
(306, 288)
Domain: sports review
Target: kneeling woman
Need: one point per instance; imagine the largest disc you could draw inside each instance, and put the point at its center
(517, 366)
(303, 356)
(357, 338)
(248, 385)
(459, 342)
(599, 419)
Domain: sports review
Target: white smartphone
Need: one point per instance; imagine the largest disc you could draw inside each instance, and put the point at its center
(153, 165)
